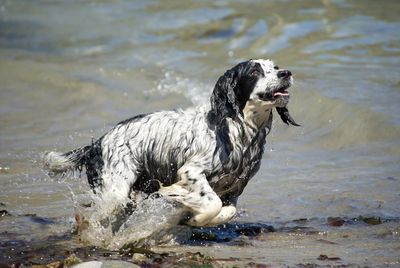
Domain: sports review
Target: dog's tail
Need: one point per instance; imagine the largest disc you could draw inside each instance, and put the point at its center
(60, 163)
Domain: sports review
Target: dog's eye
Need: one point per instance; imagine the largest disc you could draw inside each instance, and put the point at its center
(276, 67)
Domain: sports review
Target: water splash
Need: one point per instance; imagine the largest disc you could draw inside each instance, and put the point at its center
(153, 221)
(197, 93)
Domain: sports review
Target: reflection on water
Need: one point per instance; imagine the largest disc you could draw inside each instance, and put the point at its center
(69, 70)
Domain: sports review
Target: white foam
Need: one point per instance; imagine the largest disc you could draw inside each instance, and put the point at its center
(154, 221)
(196, 92)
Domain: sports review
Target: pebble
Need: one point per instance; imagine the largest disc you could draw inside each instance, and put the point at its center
(105, 264)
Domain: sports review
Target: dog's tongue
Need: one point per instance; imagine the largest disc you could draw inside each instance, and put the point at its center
(271, 95)
(284, 93)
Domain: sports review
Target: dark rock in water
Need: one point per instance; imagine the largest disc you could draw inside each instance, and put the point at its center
(323, 257)
(41, 220)
(336, 221)
(257, 265)
(339, 221)
(250, 230)
(71, 260)
(230, 231)
(299, 230)
(253, 229)
(370, 220)
(4, 213)
(241, 241)
(129, 250)
(172, 259)
(205, 235)
(301, 220)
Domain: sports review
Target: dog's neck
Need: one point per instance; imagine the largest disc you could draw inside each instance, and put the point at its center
(256, 112)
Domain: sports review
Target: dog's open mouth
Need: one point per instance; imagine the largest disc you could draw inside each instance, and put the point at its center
(271, 95)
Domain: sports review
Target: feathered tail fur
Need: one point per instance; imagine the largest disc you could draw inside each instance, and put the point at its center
(60, 163)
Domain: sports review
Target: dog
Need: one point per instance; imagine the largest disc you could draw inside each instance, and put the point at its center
(200, 158)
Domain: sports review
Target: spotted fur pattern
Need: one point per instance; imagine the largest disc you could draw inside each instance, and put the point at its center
(202, 157)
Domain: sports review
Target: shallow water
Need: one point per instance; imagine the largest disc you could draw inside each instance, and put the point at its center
(69, 70)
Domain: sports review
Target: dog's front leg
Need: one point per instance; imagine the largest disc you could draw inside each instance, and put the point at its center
(226, 214)
(196, 194)
(203, 202)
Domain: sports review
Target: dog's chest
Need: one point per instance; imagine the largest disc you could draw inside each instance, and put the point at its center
(245, 160)
(256, 112)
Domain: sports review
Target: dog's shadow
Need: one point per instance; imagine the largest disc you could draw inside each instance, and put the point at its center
(230, 233)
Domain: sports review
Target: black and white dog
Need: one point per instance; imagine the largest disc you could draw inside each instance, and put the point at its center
(201, 157)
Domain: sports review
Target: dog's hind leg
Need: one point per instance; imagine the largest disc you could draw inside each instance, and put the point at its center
(114, 204)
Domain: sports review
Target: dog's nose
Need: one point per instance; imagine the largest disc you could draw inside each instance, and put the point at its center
(284, 73)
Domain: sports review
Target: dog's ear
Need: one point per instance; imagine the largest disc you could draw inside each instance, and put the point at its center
(224, 101)
(285, 116)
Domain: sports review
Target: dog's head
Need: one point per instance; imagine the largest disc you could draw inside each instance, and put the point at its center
(259, 81)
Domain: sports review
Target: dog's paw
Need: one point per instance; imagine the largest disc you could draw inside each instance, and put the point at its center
(225, 215)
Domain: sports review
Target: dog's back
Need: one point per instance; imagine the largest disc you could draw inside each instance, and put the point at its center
(152, 146)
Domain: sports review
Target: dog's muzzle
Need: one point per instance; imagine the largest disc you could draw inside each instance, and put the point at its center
(285, 77)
